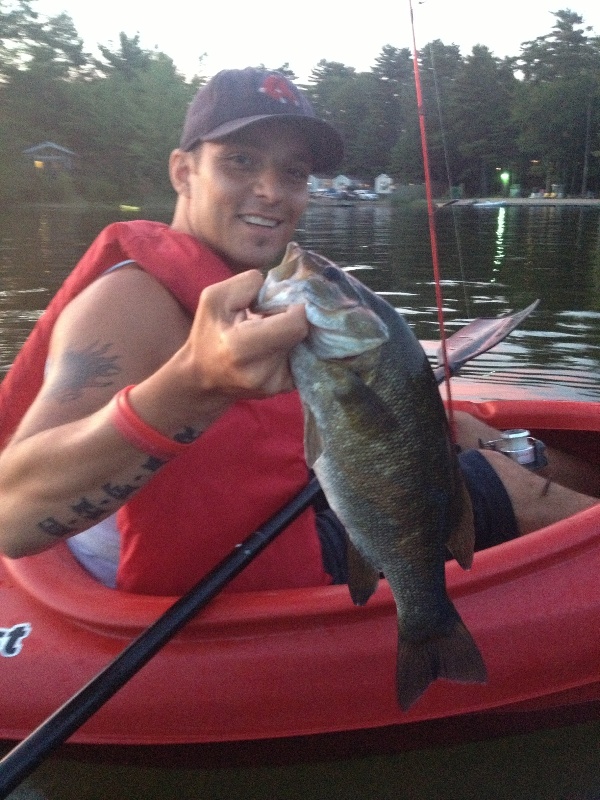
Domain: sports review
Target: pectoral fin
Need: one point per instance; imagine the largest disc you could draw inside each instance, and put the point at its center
(364, 408)
(313, 442)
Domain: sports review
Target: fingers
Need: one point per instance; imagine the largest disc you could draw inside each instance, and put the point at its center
(258, 336)
(239, 352)
(234, 294)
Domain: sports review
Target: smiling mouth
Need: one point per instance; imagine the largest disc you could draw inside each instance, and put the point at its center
(263, 222)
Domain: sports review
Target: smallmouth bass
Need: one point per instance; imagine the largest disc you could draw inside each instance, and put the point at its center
(377, 437)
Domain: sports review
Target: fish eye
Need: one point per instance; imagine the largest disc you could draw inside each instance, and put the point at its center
(337, 276)
(332, 274)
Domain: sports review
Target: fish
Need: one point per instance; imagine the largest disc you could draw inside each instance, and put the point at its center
(377, 437)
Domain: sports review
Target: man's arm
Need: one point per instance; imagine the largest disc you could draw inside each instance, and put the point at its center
(67, 467)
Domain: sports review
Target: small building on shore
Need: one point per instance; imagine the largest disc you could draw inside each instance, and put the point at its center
(51, 157)
(384, 184)
(342, 183)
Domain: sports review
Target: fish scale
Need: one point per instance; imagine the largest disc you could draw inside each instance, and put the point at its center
(377, 437)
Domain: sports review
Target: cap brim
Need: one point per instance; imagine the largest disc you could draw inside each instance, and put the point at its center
(325, 142)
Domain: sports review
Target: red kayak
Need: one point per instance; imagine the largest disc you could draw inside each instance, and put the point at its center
(307, 661)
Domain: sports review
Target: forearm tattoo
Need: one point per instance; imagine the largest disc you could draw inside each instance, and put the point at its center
(112, 496)
(91, 367)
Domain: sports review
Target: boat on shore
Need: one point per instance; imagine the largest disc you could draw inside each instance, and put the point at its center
(279, 665)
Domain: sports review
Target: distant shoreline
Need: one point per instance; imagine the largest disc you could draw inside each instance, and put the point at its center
(480, 202)
(521, 201)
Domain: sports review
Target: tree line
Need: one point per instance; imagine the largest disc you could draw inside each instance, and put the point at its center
(530, 121)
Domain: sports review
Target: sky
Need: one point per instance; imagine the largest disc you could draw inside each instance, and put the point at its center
(235, 34)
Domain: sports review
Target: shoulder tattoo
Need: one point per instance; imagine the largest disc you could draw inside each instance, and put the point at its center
(92, 367)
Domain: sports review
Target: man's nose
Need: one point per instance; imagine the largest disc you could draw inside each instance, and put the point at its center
(269, 184)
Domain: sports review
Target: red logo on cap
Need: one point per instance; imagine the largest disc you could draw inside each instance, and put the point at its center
(278, 88)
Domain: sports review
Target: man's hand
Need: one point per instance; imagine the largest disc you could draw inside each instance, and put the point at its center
(236, 352)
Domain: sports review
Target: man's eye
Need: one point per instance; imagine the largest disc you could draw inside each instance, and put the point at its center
(241, 159)
(299, 173)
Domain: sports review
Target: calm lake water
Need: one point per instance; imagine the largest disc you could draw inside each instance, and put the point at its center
(494, 260)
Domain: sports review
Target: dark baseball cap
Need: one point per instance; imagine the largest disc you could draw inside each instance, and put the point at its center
(236, 98)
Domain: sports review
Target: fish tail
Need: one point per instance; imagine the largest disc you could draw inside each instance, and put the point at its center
(452, 655)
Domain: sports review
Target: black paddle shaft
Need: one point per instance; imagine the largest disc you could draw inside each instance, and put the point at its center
(26, 756)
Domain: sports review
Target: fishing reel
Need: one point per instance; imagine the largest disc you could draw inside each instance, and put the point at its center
(519, 445)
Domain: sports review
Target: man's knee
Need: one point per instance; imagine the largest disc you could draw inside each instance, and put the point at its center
(493, 514)
(536, 500)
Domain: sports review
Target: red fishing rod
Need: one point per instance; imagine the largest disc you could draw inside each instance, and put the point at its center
(431, 217)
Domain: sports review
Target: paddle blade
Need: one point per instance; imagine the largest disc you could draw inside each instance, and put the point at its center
(477, 338)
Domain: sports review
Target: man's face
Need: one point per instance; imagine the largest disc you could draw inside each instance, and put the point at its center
(247, 192)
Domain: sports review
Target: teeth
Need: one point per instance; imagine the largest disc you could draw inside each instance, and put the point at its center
(256, 220)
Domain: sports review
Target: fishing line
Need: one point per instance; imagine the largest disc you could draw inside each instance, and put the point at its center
(438, 102)
(431, 217)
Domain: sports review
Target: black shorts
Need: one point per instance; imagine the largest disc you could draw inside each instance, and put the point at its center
(493, 513)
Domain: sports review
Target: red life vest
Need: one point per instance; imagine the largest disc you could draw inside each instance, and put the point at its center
(245, 467)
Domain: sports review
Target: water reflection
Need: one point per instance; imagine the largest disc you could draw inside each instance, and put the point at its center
(499, 256)
(354, 235)
(493, 261)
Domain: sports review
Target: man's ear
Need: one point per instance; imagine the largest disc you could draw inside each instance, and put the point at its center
(180, 166)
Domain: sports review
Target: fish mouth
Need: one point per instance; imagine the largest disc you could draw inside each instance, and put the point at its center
(297, 264)
(260, 220)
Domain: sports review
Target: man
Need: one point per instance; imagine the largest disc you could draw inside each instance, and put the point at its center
(151, 409)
